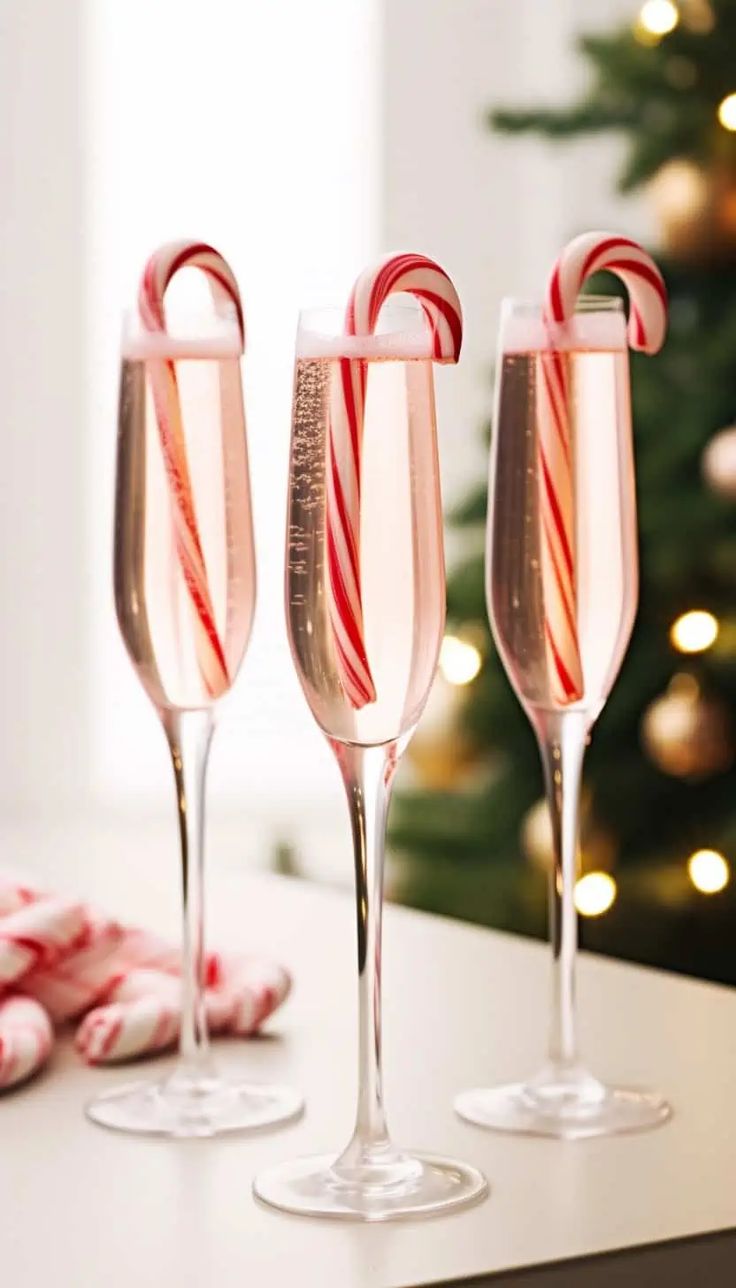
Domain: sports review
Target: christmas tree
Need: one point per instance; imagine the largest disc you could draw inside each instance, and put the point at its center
(659, 825)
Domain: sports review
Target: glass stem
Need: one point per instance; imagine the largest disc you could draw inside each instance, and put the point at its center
(189, 735)
(367, 773)
(562, 741)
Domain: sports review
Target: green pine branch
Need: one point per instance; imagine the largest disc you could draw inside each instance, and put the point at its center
(663, 98)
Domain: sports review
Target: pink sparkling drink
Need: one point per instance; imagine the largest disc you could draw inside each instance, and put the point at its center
(402, 569)
(154, 606)
(596, 361)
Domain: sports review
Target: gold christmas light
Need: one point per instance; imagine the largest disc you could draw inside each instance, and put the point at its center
(656, 19)
(708, 871)
(727, 112)
(460, 661)
(594, 894)
(694, 632)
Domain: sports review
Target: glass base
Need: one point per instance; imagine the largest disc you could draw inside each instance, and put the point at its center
(186, 1107)
(570, 1106)
(396, 1189)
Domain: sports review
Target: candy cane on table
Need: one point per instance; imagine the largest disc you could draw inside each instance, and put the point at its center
(38, 934)
(106, 954)
(252, 987)
(26, 1039)
(62, 958)
(590, 253)
(160, 269)
(121, 1030)
(143, 1012)
(424, 279)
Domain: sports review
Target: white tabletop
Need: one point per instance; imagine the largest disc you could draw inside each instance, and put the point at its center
(84, 1208)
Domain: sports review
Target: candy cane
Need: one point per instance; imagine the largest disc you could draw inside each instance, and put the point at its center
(142, 1014)
(423, 278)
(122, 1030)
(160, 269)
(38, 934)
(253, 989)
(68, 987)
(585, 255)
(64, 958)
(26, 1039)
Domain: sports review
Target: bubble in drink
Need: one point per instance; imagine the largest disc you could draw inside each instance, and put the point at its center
(401, 548)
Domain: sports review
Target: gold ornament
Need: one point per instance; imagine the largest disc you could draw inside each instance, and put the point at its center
(695, 207)
(442, 762)
(597, 847)
(440, 756)
(687, 734)
(536, 835)
(719, 463)
(698, 16)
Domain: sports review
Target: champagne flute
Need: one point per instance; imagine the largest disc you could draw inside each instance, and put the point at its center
(185, 657)
(403, 607)
(524, 536)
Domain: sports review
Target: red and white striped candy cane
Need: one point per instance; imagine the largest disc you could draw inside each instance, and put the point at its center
(26, 1039)
(122, 1030)
(38, 934)
(590, 253)
(160, 269)
(252, 989)
(142, 1013)
(73, 984)
(424, 279)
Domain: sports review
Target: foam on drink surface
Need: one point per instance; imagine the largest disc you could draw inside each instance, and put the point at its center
(395, 347)
(220, 338)
(604, 331)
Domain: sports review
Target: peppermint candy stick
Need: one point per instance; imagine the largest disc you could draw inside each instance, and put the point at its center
(142, 1013)
(38, 934)
(122, 1030)
(26, 1039)
(424, 279)
(160, 269)
(590, 253)
(70, 986)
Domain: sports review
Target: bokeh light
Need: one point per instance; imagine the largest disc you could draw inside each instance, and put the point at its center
(460, 661)
(694, 632)
(594, 894)
(727, 112)
(708, 871)
(658, 17)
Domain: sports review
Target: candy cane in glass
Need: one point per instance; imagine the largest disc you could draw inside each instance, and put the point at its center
(562, 587)
(185, 596)
(365, 604)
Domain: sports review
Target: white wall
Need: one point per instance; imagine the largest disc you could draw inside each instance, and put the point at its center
(232, 135)
(44, 588)
(90, 108)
